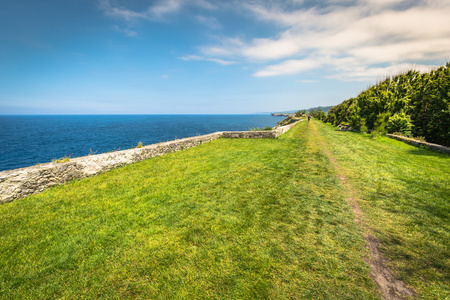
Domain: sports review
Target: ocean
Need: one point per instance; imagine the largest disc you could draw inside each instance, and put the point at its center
(29, 140)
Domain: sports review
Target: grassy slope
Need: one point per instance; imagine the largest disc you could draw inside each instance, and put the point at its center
(405, 194)
(230, 219)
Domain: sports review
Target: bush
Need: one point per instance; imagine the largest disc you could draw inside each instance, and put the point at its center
(400, 123)
(300, 113)
(363, 127)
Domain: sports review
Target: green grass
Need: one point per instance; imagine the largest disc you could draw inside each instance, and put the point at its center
(260, 129)
(232, 219)
(62, 159)
(405, 193)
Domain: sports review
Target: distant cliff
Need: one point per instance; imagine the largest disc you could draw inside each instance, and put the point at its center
(289, 113)
(282, 114)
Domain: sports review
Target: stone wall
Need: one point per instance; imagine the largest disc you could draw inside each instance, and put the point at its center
(267, 134)
(264, 134)
(434, 147)
(20, 183)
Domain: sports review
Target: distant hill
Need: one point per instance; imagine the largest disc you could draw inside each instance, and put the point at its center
(325, 109)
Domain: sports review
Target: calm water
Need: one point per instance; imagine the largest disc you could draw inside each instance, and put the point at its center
(29, 140)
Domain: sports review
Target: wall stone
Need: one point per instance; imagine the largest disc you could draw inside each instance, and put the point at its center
(264, 134)
(267, 134)
(434, 147)
(20, 183)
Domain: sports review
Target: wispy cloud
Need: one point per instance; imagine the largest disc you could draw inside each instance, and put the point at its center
(336, 36)
(201, 58)
(292, 66)
(157, 11)
(209, 22)
(363, 73)
(152, 12)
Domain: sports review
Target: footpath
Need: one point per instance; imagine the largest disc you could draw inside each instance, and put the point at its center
(390, 286)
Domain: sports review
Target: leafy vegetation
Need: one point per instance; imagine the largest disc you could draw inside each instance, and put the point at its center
(64, 159)
(318, 114)
(300, 113)
(325, 109)
(261, 129)
(412, 103)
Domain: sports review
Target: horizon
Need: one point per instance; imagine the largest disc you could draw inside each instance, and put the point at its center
(204, 57)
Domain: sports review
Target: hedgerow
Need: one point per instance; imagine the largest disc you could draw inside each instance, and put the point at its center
(413, 103)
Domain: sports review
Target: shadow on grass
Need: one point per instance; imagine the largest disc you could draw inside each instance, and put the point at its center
(427, 152)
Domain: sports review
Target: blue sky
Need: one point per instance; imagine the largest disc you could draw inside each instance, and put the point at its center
(208, 56)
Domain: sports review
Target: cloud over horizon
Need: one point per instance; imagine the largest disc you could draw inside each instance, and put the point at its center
(210, 56)
(338, 36)
(341, 37)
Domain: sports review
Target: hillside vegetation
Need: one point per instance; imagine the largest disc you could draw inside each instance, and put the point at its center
(236, 219)
(412, 104)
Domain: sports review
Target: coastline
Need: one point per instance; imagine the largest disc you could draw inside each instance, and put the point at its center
(31, 140)
(23, 182)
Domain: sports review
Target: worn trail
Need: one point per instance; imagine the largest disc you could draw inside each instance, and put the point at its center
(391, 288)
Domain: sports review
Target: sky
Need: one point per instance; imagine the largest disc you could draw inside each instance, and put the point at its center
(209, 56)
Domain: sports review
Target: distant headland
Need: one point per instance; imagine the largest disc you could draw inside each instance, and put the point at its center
(290, 113)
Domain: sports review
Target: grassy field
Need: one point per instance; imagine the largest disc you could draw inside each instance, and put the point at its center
(404, 192)
(235, 219)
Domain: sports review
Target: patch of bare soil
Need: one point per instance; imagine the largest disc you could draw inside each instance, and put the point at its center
(390, 287)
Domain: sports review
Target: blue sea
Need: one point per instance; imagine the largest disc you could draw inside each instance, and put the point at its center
(28, 140)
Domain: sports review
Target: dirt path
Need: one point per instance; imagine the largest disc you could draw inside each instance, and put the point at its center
(390, 287)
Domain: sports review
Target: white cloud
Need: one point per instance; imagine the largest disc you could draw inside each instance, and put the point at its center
(164, 7)
(308, 81)
(335, 35)
(289, 67)
(112, 10)
(200, 58)
(338, 36)
(153, 12)
(157, 10)
(380, 73)
(273, 49)
(226, 47)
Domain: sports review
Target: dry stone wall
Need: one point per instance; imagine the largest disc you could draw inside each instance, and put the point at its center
(20, 183)
(265, 134)
(434, 147)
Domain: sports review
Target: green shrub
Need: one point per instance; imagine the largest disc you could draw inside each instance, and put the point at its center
(261, 129)
(363, 125)
(399, 123)
(419, 138)
(300, 113)
(380, 123)
(62, 159)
